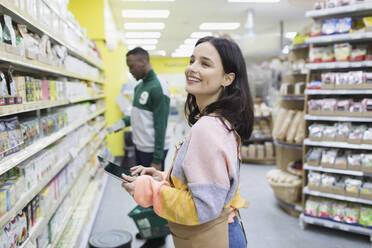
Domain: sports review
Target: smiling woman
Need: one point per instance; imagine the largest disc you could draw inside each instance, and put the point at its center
(199, 196)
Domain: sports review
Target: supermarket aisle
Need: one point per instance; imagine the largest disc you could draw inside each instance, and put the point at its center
(267, 226)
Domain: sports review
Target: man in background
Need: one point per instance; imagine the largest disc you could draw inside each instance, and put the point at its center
(149, 118)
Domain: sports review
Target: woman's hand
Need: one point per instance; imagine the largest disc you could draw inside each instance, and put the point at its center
(129, 185)
(151, 171)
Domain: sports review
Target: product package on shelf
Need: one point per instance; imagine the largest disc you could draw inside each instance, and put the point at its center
(289, 126)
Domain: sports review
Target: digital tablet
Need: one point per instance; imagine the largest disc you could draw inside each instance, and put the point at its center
(113, 170)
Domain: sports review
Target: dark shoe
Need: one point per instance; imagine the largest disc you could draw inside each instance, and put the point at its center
(154, 243)
(139, 236)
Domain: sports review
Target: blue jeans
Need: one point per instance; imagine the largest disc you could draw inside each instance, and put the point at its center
(236, 235)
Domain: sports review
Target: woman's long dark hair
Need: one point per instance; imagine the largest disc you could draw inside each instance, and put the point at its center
(235, 102)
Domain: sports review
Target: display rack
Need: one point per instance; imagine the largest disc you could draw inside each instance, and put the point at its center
(314, 68)
(95, 138)
(21, 16)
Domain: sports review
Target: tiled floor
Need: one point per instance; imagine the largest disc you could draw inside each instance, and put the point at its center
(267, 226)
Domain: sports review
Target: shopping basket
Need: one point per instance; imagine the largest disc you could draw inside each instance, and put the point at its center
(148, 223)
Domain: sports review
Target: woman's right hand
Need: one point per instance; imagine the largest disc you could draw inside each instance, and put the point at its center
(151, 171)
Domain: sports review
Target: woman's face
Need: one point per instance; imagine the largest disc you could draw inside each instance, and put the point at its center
(205, 74)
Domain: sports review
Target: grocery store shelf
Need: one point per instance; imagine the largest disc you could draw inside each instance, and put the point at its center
(356, 9)
(36, 230)
(339, 92)
(337, 118)
(31, 66)
(335, 225)
(14, 159)
(28, 196)
(89, 227)
(292, 98)
(336, 144)
(297, 73)
(299, 46)
(307, 191)
(22, 17)
(357, 37)
(339, 65)
(69, 214)
(336, 171)
(32, 106)
(288, 145)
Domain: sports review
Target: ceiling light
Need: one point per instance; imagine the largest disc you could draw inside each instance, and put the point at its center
(290, 35)
(148, 0)
(139, 13)
(141, 41)
(159, 52)
(219, 25)
(191, 41)
(144, 25)
(253, 1)
(200, 34)
(142, 35)
(146, 47)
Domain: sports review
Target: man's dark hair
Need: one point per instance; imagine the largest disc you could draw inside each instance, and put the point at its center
(139, 51)
(235, 102)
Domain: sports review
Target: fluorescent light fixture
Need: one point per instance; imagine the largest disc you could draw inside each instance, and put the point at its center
(219, 25)
(144, 25)
(141, 13)
(142, 35)
(198, 35)
(190, 41)
(146, 47)
(290, 35)
(141, 41)
(148, 0)
(253, 1)
(159, 52)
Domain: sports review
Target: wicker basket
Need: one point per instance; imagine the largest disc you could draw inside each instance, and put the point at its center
(288, 192)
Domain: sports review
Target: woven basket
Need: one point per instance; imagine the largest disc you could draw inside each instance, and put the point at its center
(286, 192)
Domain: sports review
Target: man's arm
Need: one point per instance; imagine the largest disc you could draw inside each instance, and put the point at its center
(160, 107)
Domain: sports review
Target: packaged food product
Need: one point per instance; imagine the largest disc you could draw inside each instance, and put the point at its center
(359, 53)
(329, 158)
(343, 25)
(341, 160)
(328, 78)
(316, 84)
(329, 26)
(301, 130)
(367, 161)
(285, 125)
(344, 105)
(313, 156)
(314, 179)
(293, 127)
(315, 105)
(342, 79)
(324, 209)
(365, 218)
(278, 121)
(332, 3)
(366, 190)
(352, 214)
(9, 35)
(356, 134)
(315, 54)
(354, 161)
(328, 54)
(353, 186)
(316, 131)
(342, 51)
(355, 77)
(367, 103)
(367, 136)
(357, 107)
(311, 207)
(316, 28)
(329, 104)
(338, 210)
(329, 132)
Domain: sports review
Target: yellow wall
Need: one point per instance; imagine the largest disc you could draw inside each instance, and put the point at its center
(168, 65)
(89, 13)
(116, 74)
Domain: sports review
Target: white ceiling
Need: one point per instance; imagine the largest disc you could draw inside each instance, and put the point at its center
(187, 15)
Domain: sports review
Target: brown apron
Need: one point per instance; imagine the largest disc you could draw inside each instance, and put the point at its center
(213, 234)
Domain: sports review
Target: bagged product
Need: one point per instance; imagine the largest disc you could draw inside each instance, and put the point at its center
(343, 25)
(338, 211)
(329, 26)
(8, 31)
(352, 214)
(329, 157)
(342, 51)
(285, 125)
(311, 207)
(278, 121)
(365, 218)
(301, 129)
(328, 55)
(314, 179)
(293, 127)
(313, 156)
(325, 208)
(316, 28)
